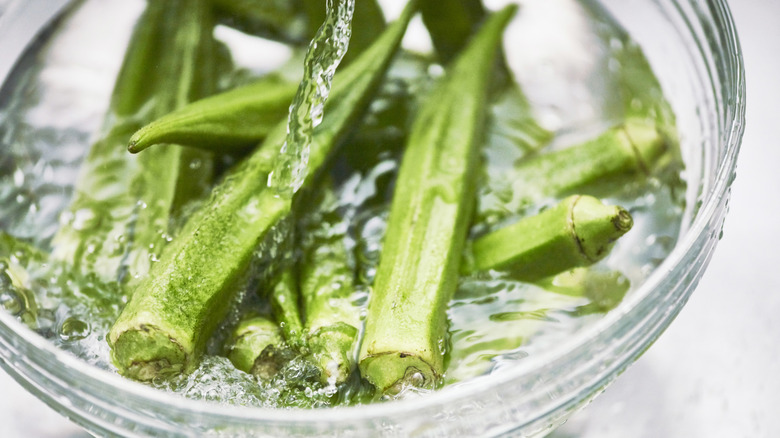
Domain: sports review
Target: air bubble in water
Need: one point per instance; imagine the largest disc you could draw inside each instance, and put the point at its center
(73, 329)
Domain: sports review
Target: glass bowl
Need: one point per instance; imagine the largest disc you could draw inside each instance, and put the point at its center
(693, 47)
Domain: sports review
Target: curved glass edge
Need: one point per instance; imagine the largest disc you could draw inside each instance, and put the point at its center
(106, 403)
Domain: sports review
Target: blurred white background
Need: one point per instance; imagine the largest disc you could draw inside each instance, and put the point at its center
(714, 372)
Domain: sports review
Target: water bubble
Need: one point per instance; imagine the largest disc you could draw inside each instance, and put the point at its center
(11, 302)
(73, 329)
(435, 70)
(84, 218)
(18, 177)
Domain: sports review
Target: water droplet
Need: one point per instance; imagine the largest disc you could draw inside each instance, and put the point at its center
(73, 329)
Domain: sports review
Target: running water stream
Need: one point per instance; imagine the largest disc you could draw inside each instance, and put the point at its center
(306, 111)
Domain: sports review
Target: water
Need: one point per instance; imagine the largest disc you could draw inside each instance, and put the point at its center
(306, 111)
(495, 320)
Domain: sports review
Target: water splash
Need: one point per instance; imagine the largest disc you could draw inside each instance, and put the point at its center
(306, 111)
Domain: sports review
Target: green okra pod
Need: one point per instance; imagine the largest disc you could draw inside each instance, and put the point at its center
(119, 215)
(279, 20)
(578, 231)
(429, 217)
(236, 119)
(327, 289)
(297, 21)
(165, 325)
(285, 302)
(256, 345)
(451, 23)
(627, 151)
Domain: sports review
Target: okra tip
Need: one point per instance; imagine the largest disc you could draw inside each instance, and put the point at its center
(136, 143)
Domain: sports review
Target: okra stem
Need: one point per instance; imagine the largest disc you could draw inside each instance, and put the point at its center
(427, 226)
(578, 231)
(165, 326)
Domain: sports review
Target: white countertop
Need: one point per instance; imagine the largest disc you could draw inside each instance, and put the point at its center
(713, 373)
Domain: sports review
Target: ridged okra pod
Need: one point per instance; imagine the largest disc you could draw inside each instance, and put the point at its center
(629, 150)
(242, 117)
(236, 119)
(279, 20)
(327, 286)
(297, 21)
(428, 223)
(285, 297)
(451, 23)
(122, 205)
(165, 325)
(578, 231)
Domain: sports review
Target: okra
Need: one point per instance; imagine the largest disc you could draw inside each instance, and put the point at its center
(327, 288)
(451, 23)
(296, 22)
(119, 215)
(285, 301)
(578, 231)
(627, 151)
(255, 346)
(233, 120)
(165, 325)
(427, 226)
(279, 20)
